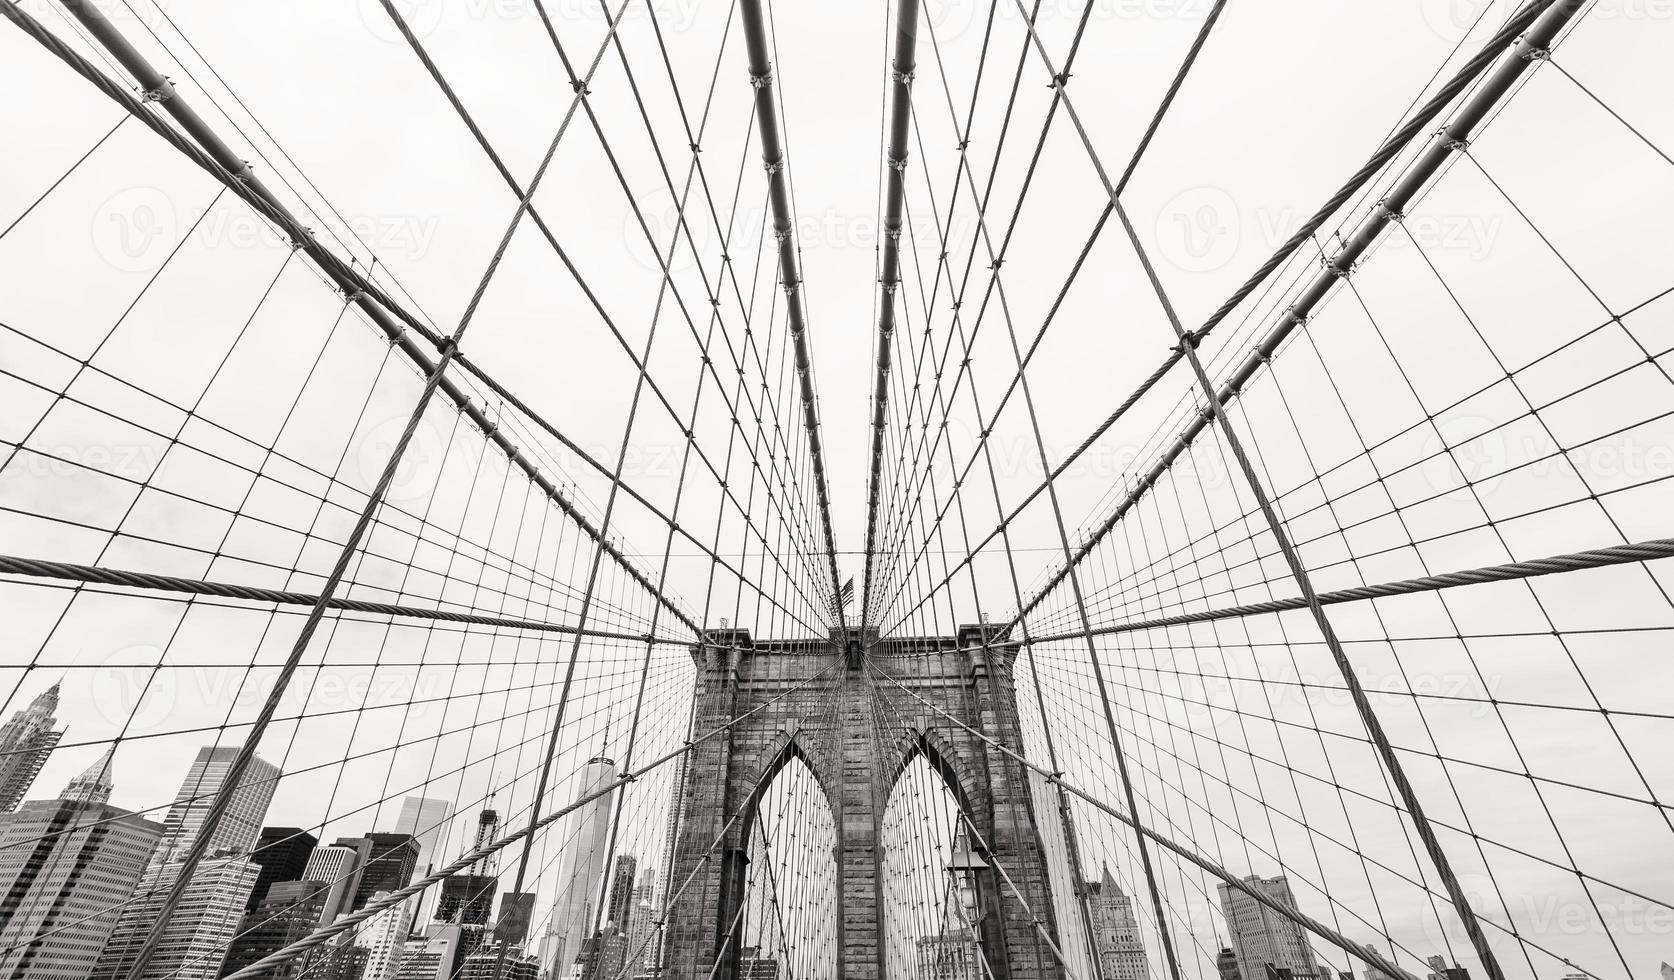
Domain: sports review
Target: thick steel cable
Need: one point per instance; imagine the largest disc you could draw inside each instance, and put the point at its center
(1216, 413)
(344, 924)
(1458, 129)
(895, 161)
(1368, 956)
(790, 274)
(1158, 115)
(360, 291)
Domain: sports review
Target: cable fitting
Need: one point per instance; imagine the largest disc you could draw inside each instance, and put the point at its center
(761, 81)
(772, 166)
(161, 93)
(898, 164)
(1536, 54)
(901, 77)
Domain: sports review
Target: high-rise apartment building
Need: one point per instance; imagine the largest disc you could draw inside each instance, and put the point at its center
(1261, 936)
(579, 871)
(622, 890)
(427, 819)
(64, 865)
(1115, 930)
(25, 742)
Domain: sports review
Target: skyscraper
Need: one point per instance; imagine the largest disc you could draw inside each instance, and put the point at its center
(622, 890)
(283, 854)
(288, 912)
(427, 820)
(392, 859)
(383, 936)
(579, 871)
(338, 867)
(240, 825)
(25, 743)
(196, 936)
(1261, 936)
(63, 864)
(1115, 930)
(517, 909)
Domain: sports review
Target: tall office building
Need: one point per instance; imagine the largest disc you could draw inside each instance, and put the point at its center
(1115, 930)
(579, 871)
(392, 859)
(383, 937)
(427, 819)
(288, 912)
(642, 922)
(622, 890)
(283, 854)
(64, 864)
(517, 910)
(240, 825)
(1261, 936)
(337, 867)
(197, 935)
(25, 743)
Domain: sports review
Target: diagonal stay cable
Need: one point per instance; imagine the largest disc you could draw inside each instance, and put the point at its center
(384, 313)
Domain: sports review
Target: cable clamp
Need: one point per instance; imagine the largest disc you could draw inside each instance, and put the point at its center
(356, 297)
(162, 93)
(1390, 214)
(772, 166)
(890, 287)
(1060, 80)
(1330, 265)
(790, 287)
(782, 236)
(898, 164)
(580, 87)
(761, 81)
(1445, 137)
(901, 77)
(1536, 54)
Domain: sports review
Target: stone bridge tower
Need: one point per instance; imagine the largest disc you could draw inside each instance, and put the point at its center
(857, 733)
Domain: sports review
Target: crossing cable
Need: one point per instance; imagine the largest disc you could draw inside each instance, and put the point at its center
(790, 277)
(995, 263)
(1341, 264)
(580, 85)
(1157, 117)
(1369, 956)
(349, 549)
(1072, 843)
(1397, 141)
(472, 857)
(895, 160)
(235, 175)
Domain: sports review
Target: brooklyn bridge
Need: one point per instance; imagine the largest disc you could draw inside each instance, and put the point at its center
(941, 489)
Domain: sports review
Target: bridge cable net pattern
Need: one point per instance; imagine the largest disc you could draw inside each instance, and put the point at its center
(1348, 574)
